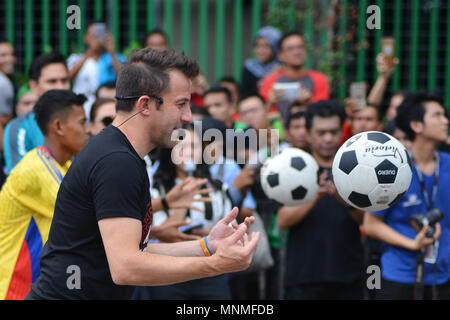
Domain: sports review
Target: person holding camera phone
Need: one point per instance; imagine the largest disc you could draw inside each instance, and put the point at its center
(416, 261)
(99, 64)
(306, 85)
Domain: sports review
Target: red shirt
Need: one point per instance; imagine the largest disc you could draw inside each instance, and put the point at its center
(314, 81)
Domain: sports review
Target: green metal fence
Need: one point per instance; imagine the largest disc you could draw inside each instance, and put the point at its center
(218, 33)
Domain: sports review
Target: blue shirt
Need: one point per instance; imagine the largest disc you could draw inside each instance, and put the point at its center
(21, 135)
(398, 264)
(106, 71)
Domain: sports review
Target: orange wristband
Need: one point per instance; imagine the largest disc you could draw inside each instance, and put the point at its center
(205, 247)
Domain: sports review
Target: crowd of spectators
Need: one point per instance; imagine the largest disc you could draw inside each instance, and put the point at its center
(320, 250)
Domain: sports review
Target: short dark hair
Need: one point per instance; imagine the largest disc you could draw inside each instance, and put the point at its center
(324, 109)
(108, 85)
(380, 115)
(43, 60)
(146, 72)
(293, 116)
(296, 103)
(413, 109)
(157, 31)
(55, 103)
(220, 89)
(253, 95)
(390, 127)
(287, 35)
(97, 104)
(229, 79)
(4, 40)
(199, 110)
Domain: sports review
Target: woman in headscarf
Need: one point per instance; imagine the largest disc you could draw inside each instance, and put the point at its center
(266, 49)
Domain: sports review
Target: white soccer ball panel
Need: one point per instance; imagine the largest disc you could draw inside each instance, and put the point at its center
(364, 177)
(339, 178)
(290, 177)
(372, 152)
(382, 195)
(404, 177)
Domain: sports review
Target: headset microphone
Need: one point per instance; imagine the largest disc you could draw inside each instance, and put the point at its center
(131, 117)
(159, 100)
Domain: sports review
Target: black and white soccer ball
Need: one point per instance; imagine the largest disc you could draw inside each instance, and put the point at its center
(290, 177)
(372, 171)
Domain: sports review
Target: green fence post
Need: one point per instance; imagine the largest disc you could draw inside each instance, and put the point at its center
(273, 3)
(45, 25)
(256, 16)
(10, 21)
(324, 31)
(150, 15)
(203, 36)
(324, 13)
(361, 54)
(447, 65)
(309, 31)
(432, 52)
(168, 19)
(98, 10)
(414, 45)
(398, 15)
(256, 20)
(132, 22)
(81, 32)
(237, 46)
(220, 38)
(28, 34)
(291, 16)
(378, 36)
(186, 23)
(342, 89)
(115, 28)
(63, 46)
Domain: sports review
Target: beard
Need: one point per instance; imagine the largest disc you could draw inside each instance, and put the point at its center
(168, 139)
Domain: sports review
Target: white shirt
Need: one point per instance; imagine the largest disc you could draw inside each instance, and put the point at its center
(6, 95)
(86, 80)
(220, 204)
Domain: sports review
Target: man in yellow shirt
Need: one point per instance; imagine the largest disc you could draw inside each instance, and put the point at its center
(28, 196)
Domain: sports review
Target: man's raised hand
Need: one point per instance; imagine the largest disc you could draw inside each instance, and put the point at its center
(235, 252)
(182, 195)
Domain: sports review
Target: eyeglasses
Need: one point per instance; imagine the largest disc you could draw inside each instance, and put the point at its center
(293, 48)
(158, 99)
(107, 121)
(262, 46)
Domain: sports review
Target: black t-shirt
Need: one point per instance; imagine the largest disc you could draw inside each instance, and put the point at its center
(249, 82)
(325, 247)
(107, 179)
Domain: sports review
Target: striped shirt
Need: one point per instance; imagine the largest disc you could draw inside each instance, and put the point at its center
(27, 201)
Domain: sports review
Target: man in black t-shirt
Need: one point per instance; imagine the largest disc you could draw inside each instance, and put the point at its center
(324, 252)
(98, 243)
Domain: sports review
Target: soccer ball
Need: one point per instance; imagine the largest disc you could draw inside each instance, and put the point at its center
(372, 171)
(290, 177)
